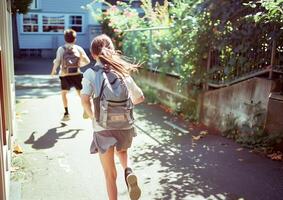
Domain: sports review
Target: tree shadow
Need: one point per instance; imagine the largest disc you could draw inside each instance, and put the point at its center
(211, 168)
(51, 137)
(37, 86)
(35, 83)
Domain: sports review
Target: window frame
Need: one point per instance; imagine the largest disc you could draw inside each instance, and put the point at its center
(50, 24)
(78, 25)
(30, 24)
(67, 24)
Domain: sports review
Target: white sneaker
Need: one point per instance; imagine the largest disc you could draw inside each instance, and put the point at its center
(65, 117)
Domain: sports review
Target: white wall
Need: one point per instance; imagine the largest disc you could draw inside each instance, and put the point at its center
(61, 6)
(45, 41)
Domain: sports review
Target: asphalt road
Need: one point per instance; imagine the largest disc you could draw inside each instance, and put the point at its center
(56, 163)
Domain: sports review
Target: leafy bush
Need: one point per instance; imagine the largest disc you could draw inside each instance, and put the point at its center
(236, 35)
(238, 32)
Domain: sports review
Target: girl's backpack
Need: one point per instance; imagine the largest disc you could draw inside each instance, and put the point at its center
(112, 105)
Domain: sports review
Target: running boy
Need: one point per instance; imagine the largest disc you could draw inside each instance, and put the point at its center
(70, 57)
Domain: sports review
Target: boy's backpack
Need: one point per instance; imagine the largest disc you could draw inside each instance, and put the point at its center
(112, 105)
(70, 61)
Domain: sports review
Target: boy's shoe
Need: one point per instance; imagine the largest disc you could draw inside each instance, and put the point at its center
(132, 184)
(66, 117)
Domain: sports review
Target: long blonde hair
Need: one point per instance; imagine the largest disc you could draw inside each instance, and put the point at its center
(102, 47)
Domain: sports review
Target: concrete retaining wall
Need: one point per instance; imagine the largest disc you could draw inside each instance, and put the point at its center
(274, 119)
(167, 90)
(214, 107)
(236, 100)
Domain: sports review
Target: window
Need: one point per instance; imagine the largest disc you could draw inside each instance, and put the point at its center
(53, 23)
(76, 23)
(30, 23)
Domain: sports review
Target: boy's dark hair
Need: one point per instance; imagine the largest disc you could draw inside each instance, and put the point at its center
(70, 35)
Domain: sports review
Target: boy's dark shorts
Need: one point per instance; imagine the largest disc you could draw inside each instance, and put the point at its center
(71, 81)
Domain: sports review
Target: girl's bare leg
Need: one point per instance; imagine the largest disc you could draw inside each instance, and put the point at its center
(110, 173)
(123, 157)
(130, 178)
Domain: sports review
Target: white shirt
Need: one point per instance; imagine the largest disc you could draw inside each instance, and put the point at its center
(84, 60)
(89, 88)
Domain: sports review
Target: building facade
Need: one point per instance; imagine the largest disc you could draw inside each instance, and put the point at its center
(7, 97)
(40, 31)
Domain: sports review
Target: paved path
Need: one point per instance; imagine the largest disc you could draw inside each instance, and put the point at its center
(56, 164)
(34, 66)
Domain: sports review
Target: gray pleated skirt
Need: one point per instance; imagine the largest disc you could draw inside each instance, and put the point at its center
(120, 139)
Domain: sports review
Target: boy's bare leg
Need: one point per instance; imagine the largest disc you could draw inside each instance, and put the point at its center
(79, 92)
(64, 98)
(66, 116)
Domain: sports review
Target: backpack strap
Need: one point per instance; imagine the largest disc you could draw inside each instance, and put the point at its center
(65, 48)
(99, 69)
(62, 55)
(101, 88)
(103, 72)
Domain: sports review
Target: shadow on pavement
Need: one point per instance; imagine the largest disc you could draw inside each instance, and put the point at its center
(31, 65)
(36, 86)
(214, 168)
(36, 66)
(51, 137)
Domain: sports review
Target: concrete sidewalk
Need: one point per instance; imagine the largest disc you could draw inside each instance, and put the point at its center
(56, 164)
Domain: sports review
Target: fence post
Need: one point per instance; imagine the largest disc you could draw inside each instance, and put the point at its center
(150, 50)
(272, 61)
(208, 66)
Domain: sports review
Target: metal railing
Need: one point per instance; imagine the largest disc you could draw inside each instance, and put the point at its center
(263, 62)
